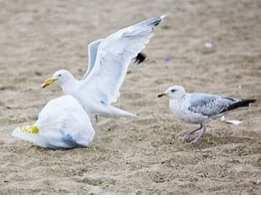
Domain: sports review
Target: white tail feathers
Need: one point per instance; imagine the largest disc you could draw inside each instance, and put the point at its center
(234, 122)
(117, 112)
(163, 16)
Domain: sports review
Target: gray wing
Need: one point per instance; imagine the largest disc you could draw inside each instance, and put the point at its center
(209, 105)
(114, 55)
(92, 55)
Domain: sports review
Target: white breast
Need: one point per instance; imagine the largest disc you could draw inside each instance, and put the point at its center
(180, 109)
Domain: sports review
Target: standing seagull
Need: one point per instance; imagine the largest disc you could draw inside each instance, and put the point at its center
(109, 59)
(200, 108)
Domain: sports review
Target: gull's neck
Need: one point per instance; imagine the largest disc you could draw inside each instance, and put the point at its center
(69, 85)
(176, 103)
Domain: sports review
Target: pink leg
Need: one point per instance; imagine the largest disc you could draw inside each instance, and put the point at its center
(189, 136)
(199, 136)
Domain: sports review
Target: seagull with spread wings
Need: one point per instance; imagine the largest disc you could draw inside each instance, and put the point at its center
(109, 59)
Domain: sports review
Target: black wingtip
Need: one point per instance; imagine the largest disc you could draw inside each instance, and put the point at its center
(140, 58)
(250, 101)
(157, 21)
(241, 103)
(246, 102)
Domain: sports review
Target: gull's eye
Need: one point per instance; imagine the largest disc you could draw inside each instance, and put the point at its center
(173, 90)
(59, 75)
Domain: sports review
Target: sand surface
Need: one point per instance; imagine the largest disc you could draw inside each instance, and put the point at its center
(142, 156)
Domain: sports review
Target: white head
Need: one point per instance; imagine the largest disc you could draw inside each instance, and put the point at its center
(174, 92)
(63, 77)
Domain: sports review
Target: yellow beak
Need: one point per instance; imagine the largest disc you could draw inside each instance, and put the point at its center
(48, 82)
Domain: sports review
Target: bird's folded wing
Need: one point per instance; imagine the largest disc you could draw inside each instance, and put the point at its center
(113, 58)
(208, 105)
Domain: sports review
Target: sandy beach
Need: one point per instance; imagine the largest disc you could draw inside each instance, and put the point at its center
(143, 155)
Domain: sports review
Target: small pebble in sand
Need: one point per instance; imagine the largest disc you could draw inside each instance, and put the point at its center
(209, 47)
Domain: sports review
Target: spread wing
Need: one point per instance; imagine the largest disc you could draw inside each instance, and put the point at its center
(92, 55)
(113, 56)
(209, 105)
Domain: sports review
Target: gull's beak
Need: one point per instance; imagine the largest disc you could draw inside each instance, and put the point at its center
(161, 95)
(48, 82)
